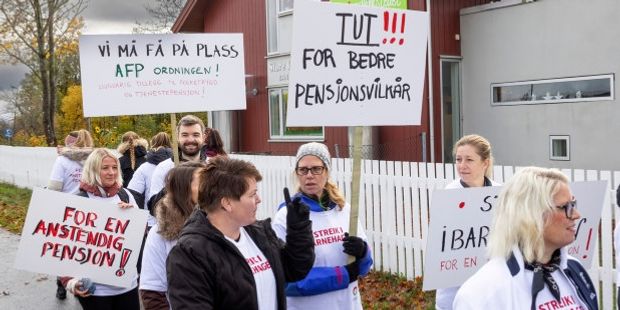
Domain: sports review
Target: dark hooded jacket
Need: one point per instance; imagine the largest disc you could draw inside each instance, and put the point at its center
(159, 155)
(125, 159)
(206, 271)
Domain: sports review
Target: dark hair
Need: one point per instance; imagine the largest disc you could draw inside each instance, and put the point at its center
(224, 178)
(214, 144)
(161, 139)
(190, 120)
(176, 206)
(179, 186)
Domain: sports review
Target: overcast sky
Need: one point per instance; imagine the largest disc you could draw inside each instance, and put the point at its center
(101, 17)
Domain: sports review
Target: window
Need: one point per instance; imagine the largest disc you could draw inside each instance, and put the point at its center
(559, 147)
(285, 6)
(575, 89)
(272, 26)
(277, 119)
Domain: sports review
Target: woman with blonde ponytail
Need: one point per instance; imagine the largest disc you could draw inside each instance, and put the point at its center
(332, 282)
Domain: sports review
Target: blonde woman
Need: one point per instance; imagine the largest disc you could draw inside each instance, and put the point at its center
(332, 282)
(101, 179)
(529, 267)
(474, 164)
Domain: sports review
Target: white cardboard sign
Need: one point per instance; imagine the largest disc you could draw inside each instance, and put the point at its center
(356, 66)
(70, 235)
(460, 223)
(161, 73)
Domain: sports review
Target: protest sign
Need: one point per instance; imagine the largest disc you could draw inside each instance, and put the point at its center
(161, 73)
(460, 222)
(358, 66)
(395, 4)
(70, 235)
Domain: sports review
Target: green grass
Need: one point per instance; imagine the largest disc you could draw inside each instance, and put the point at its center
(13, 207)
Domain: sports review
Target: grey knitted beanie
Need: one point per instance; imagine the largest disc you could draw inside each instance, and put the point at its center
(317, 149)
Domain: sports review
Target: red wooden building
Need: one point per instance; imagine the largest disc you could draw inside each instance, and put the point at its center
(266, 27)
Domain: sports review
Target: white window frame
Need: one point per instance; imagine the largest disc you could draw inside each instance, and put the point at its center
(556, 138)
(281, 127)
(540, 98)
(284, 11)
(272, 21)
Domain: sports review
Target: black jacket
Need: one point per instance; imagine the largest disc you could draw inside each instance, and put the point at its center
(125, 161)
(206, 271)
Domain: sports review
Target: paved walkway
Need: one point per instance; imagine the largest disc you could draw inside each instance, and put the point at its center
(26, 290)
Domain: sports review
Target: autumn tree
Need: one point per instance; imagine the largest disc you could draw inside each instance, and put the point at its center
(71, 116)
(30, 31)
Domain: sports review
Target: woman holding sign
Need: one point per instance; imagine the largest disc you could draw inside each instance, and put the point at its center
(474, 164)
(534, 221)
(101, 179)
(332, 282)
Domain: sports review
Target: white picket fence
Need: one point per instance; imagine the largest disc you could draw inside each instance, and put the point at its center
(394, 203)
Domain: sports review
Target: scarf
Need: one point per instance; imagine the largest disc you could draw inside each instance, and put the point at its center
(100, 191)
(542, 276)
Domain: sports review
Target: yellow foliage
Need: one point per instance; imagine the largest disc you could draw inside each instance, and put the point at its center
(37, 141)
(72, 117)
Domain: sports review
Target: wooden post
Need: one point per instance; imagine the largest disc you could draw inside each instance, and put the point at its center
(175, 140)
(355, 185)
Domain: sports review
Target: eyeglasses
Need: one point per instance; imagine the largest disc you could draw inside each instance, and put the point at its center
(316, 170)
(569, 207)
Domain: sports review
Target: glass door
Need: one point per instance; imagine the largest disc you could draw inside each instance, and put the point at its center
(451, 121)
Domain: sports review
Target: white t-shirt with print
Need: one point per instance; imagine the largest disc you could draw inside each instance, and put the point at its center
(263, 274)
(569, 299)
(68, 172)
(328, 228)
(156, 250)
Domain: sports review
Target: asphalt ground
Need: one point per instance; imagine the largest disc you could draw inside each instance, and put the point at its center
(26, 290)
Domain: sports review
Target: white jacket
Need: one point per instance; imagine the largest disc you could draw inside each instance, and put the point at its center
(506, 284)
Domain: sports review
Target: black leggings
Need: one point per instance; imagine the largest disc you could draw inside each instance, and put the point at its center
(129, 300)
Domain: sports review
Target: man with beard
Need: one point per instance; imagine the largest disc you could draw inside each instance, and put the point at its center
(190, 132)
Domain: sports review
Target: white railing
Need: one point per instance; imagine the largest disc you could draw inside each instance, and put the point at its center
(394, 203)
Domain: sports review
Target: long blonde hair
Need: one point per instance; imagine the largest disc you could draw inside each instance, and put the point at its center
(91, 173)
(520, 215)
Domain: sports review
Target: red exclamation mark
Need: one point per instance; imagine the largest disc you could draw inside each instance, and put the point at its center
(394, 19)
(386, 23)
(124, 258)
(585, 255)
(402, 29)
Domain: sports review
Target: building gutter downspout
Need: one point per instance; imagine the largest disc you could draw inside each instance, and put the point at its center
(430, 83)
